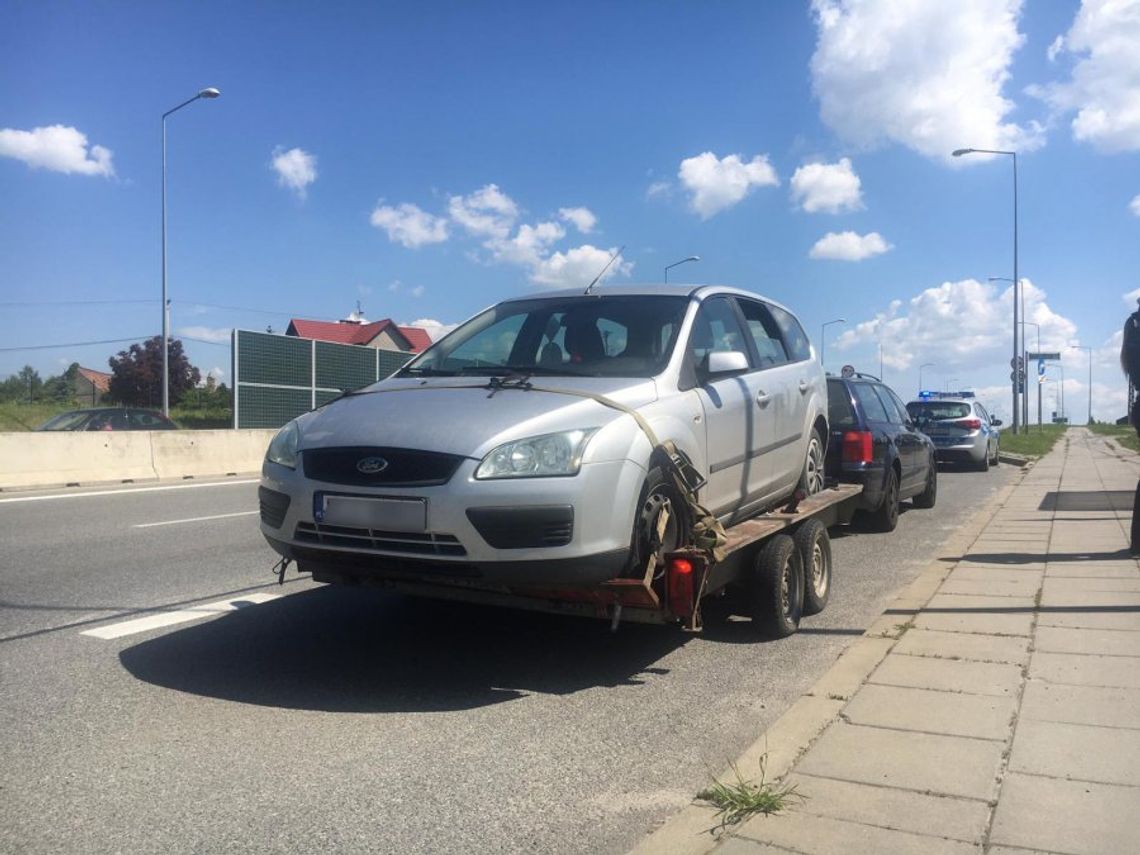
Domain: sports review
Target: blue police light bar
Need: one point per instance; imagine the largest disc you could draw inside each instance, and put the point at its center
(931, 393)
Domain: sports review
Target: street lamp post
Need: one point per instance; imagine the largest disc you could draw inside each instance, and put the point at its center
(823, 341)
(924, 365)
(682, 261)
(1025, 411)
(950, 383)
(202, 93)
(1089, 349)
(958, 153)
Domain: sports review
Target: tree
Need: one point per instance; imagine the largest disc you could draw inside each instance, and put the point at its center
(136, 374)
(25, 385)
(61, 388)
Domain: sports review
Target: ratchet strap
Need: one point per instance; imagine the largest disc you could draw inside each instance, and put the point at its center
(707, 533)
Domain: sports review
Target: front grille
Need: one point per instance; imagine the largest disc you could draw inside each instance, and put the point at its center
(373, 540)
(273, 506)
(405, 467)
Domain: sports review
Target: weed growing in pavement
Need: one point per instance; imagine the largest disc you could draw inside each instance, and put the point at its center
(738, 801)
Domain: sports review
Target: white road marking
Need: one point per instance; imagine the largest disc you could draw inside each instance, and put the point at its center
(127, 490)
(143, 624)
(196, 519)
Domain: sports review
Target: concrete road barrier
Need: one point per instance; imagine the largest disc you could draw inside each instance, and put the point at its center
(50, 459)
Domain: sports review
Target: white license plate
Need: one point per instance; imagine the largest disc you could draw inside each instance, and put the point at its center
(409, 515)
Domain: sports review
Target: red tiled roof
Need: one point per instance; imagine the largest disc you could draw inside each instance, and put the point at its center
(417, 337)
(99, 379)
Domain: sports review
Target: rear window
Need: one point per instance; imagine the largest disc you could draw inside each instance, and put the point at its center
(840, 413)
(933, 410)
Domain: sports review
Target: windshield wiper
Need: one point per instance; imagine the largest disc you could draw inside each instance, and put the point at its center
(425, 371)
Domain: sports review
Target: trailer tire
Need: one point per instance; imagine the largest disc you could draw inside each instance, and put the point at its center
(777, 593)
(657, 491)
(814, 547)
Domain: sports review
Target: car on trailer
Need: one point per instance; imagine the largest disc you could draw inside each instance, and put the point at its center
(555, 446)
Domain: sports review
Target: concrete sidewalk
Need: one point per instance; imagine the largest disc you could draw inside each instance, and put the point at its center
(996, 705)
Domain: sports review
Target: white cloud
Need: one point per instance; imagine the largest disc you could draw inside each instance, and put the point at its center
(407, 224)
(577, 267)
(828, 187)
(217, 372)
(849, 246)
(719, 183)
(295, 168)
(219, 335)
(1131, 298)
(1057, 45)
(488, 212)
(418, 290)
(58, 148)
(529, 245)
(964, 325)
(926, 75)
(1104, 88)
(435, 329)
(658, 188)
(1134, 205)
(582, 218)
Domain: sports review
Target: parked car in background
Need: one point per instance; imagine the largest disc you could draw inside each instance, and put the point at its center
(504, 457)
(962, 430)
(109, 418)
(875, 443)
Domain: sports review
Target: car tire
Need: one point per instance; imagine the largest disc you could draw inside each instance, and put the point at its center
(984, 465)
(997, 456)
(886, 516)
(777, 589)
(814, 547)
(929, 495)
(657, 493)
(811, 477)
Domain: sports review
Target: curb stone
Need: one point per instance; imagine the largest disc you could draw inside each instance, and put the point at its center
(689, 831)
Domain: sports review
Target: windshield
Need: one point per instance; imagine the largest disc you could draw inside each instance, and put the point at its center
(66, 421)
(922, 411)
(627, 336)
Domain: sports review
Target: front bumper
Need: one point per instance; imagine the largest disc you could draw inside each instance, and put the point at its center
(535, 532)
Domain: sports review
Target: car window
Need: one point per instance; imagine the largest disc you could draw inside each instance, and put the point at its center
(893, 415)
(795, 339)
(66, 421)
(934, 410)
(873, 408)
(892, 401)
(142, 420)
(618, 336)
(840, 413)
(109, 420)
(765, 333)
(715, 329)
(985, 416)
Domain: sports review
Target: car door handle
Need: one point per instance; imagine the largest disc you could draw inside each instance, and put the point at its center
(762, 399)
(804, 386)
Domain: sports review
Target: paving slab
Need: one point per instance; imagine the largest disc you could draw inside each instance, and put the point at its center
(816, 835)
(742, 846)
(1063, 585)
(990, 615)
(1096, 570)
(1081, 752)
(964, 645)
(887, 807)
(1094, 705)
(1024, 588)
(1030, 566)
(980, 716)
(1078, 670)
(1058, 639)
(947, 765)
(1119, 601)
(1092, 617)
(949, 675)
(1052, 815)
(977, 573)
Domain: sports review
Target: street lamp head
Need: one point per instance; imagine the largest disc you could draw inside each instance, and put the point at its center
(693, 258)
(958, 152)
(211, 92)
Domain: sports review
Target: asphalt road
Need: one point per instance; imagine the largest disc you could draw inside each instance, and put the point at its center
(350, 720)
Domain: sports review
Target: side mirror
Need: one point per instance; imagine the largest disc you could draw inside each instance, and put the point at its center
(996, 422)
(727, 362)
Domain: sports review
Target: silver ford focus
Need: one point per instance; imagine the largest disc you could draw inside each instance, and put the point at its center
(507, 456)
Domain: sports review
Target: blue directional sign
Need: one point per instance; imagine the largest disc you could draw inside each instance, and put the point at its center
(1040, 367)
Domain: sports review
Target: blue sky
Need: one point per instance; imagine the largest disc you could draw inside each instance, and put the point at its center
(429, 159)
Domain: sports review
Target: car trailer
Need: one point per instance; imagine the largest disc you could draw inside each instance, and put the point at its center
(781, 560)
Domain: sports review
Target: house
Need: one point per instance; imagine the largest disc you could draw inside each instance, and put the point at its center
(356, 329)
(91, 386)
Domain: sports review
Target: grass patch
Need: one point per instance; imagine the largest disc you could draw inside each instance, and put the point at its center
(1124, 434)
(736, 802)
(1039, 441)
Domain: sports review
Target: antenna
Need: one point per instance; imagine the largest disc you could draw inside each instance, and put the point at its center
(613, 258)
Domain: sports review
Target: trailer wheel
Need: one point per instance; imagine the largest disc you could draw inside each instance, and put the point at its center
(778, 588)
(814, 547)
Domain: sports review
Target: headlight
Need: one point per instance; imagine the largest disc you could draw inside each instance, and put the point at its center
(551, 454)
(283, 448)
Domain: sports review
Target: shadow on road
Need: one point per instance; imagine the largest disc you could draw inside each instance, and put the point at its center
(360, 650)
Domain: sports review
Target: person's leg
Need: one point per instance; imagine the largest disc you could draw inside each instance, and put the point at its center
(1134, 544)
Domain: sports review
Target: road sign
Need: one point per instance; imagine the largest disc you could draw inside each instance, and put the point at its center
(1040, 367)
(1016, 362)
(1051, 356)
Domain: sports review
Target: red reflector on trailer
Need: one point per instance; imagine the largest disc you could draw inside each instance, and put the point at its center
(681, 587)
